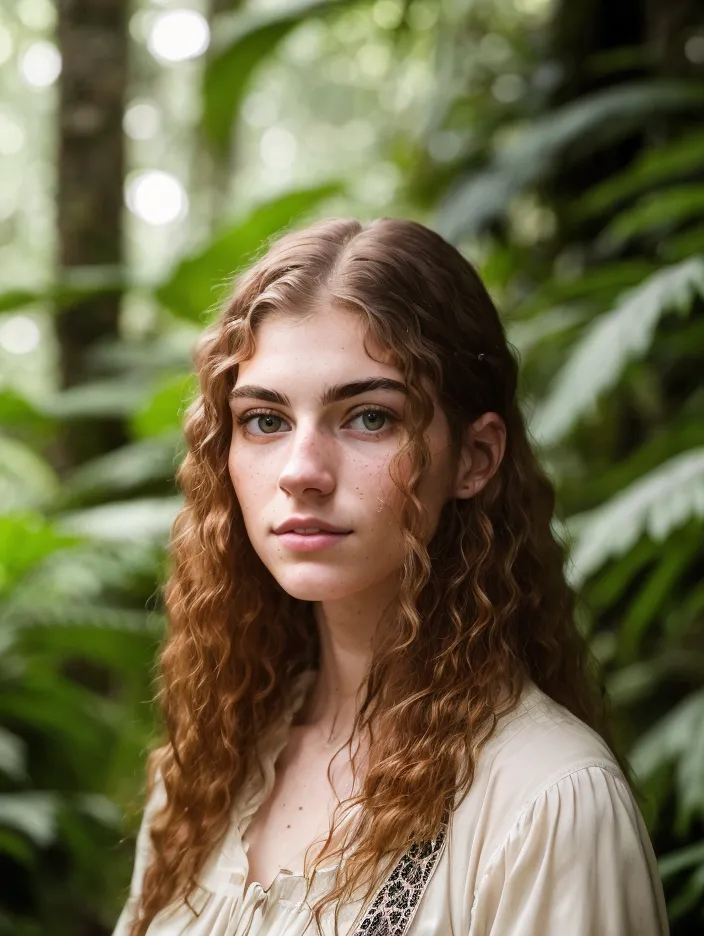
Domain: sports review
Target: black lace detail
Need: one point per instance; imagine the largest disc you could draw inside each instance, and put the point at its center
(396, 902)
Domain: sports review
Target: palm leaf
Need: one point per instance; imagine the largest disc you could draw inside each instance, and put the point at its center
(625, 332)
(677, 738)
(128, 467)
(569, 134)
(660, 211)
(27, 482)
(12, 755)
(674, 862)
(113, 398)
(138, 520)
(32, 813)
(655, 166)
(657, 504)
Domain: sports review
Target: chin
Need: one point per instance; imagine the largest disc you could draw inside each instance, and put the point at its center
(317, 587)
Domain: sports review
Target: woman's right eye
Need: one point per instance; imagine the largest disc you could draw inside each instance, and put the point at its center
(267, 423)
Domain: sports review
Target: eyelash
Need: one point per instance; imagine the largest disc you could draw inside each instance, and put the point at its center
(253, 414)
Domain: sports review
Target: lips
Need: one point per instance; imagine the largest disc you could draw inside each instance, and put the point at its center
(310, 542)
(307, 526)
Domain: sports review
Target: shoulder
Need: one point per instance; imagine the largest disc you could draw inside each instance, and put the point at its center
(550, 813)
(538, 754)
(541, 741)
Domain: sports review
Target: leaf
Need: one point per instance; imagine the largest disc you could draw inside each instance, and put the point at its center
(26, 539)
(163, 412)
(12, 755)
(689, 897)
(73, 284)
(27, 482)
(92, 571)
(42, 613)
(124, 645)
(656, 504)
(677, 737)
(674, 862)
(598, 285)
(253, 37)
(171, 351)
(614, 578)
(18, 848)
(683, 245)
(17, 410)
(146, 519)
(64, 718)
(660, 212)
(633, 683)
(99, 808)
(199, 282)
(614, 339)
(31, 813)
(647, 606)
(100, 399)
(128, 467)
(526, 335)
(655, 166)
(569, 133)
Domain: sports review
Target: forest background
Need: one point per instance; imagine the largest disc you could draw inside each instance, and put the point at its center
(148, 152)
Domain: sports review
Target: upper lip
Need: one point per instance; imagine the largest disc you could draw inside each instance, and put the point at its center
(302, 523)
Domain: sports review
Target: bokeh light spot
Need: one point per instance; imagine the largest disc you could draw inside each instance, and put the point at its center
(141, 120)
(19, 334)
(178, 35)
(156, 197)
(40, 64)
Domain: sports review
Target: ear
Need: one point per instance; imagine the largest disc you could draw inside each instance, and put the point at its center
(483, 449)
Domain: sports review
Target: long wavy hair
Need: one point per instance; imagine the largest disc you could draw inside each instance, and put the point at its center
(484, 604)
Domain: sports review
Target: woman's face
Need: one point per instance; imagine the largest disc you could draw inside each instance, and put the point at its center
(311, 448)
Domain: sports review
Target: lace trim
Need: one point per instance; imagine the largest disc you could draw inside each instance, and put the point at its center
(392, 910)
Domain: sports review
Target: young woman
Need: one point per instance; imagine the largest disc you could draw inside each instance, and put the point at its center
(380, 717)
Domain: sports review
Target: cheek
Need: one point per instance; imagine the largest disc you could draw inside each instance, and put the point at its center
(243, 478)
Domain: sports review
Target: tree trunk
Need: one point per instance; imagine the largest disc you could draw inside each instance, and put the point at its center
(92, 38)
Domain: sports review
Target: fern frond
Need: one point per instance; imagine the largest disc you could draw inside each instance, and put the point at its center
(614, 339)
(656, 505)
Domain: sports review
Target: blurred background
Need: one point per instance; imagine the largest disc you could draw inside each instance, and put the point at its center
(148, 150)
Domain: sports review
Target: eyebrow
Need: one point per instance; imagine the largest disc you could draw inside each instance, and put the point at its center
(330, 395)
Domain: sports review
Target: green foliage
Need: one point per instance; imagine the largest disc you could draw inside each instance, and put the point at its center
(612, 380)
(251, 38)
(567, 134)
(189, 291)
(598, 359)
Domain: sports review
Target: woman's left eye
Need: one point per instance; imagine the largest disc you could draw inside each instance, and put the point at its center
(376, 419)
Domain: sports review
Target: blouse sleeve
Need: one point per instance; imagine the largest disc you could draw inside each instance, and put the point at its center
(142, 858)
(577, 861)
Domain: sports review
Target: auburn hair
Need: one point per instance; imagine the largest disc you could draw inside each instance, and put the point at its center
(485, 604)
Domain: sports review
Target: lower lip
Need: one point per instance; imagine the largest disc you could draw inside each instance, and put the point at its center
(302, 542)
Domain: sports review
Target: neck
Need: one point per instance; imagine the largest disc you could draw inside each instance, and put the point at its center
(346, 630)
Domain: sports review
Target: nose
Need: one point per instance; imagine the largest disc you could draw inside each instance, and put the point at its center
(309, 464)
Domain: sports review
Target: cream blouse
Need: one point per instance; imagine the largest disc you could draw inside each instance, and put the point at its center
(547, 842)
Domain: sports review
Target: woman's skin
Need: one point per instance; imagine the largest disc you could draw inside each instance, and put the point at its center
(331, 461)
